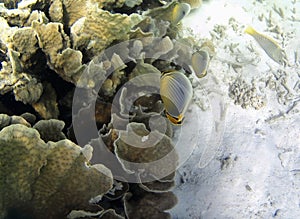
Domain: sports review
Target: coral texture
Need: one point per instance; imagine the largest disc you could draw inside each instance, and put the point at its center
(37, 177)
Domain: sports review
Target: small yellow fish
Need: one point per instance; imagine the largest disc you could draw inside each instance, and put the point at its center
(173, 12)
(179, 12)
(200, 61)
(193, 3)
(269, 45)
(176, 93)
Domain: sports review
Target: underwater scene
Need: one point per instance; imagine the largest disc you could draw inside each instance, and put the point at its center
(149, 109)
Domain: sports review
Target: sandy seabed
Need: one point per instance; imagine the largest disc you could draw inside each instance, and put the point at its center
(255, 170)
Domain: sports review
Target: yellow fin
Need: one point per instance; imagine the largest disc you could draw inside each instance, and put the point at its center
(175, 120)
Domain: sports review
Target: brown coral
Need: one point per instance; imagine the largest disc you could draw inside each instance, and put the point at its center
(50, 130)
(46, 106)
(140, 204)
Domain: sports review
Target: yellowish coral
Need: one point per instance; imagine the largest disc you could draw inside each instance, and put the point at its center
(28, 90)
(75, 10)
(91, 32)
(37, 16)
(24, 41)
(25, 87)
(15, 17)
(56, 11)
(55, 44)
(52, 38)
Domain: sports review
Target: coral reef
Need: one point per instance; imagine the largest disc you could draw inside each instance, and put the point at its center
(49, 50)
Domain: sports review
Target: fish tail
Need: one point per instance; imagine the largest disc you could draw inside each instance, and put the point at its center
(250, 30)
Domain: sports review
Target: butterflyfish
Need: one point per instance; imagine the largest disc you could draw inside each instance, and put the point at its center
(176, 93)
(200, 61)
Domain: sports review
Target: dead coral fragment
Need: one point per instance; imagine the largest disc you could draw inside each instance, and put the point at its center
(53, 178)
(245, 95)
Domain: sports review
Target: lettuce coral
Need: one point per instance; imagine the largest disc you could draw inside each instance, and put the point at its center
(54, 178)
(137, 145)
(140, 204)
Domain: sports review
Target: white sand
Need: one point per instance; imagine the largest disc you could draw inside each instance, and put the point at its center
(260, 148)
